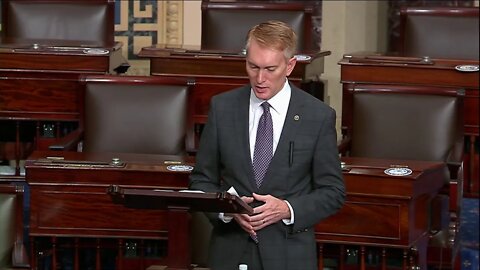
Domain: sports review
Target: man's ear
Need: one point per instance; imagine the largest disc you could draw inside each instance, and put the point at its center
(291, 65)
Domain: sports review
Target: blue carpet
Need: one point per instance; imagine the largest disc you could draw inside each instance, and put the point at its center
(469, 237)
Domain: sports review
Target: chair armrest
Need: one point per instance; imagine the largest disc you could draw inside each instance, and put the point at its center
(455, 166)
(344, 144)
(455, 159)
(69, 142)
(455, 192)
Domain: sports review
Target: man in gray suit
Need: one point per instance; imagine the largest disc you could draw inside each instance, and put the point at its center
(292, 185)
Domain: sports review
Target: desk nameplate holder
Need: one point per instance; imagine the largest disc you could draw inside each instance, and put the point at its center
(61, 162)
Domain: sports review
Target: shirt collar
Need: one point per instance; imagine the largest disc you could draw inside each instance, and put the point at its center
(278, 103)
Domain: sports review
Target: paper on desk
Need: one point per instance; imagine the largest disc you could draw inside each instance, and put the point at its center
(183, 190)
(222, 216)
(191, 191)
(232, 191)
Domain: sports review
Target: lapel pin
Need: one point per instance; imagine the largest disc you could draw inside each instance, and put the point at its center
(296, 117)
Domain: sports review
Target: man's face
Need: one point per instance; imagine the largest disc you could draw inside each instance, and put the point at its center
(267, 69)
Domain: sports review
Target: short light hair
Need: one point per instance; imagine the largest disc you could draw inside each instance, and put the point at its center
(274, 34)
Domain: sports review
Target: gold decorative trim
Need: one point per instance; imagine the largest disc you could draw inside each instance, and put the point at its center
(173, 22)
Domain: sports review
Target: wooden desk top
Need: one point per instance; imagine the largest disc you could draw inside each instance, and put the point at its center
(383, 68)
(74, 163)
(163, 50)
(60, 58)
(51, 167)
(193, 61)
(367, 177)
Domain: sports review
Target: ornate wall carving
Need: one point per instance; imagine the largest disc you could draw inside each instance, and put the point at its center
(143, 23)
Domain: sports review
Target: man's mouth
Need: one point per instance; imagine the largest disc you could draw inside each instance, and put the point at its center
(261, 88)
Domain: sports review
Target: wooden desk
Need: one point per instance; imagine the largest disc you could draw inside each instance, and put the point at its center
(382, 210)
(364, 68)
(70, 198)
(39, 95)
(47, 58)
(192, 61)
(40, 84)
(217, 71)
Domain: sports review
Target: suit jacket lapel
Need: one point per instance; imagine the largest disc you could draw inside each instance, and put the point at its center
(241, 123)
(289, 131)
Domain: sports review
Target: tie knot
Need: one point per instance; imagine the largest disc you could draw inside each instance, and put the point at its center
(266, 106)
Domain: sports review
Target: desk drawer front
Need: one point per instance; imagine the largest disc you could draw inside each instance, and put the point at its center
(40, 95)
(90, 212)
(360, 221)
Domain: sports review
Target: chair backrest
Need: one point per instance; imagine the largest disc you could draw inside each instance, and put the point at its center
(439, 32)
(82, 22)
(136, 114)
(225, 24)
(405, 122)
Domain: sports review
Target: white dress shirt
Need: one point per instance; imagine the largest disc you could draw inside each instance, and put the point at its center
(278, 110)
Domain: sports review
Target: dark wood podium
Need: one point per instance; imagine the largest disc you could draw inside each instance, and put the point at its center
(178, 205)
(389, 212)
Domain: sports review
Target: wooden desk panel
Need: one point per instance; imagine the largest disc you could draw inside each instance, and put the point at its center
(69, 197)
(208, 65)
(382, 209)
(194, 62)
(43, 82)
(62, 211)
(35, 61)
(385, 211)
(36, 96)
(64, 59)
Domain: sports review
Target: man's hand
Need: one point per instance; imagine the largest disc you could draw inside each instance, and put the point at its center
(243, 219)
(272, 211)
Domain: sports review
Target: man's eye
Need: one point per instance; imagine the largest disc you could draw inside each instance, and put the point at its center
(271, 69)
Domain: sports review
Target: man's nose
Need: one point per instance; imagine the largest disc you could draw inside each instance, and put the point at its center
(260, 76)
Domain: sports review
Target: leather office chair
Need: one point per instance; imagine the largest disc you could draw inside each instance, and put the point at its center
(59, 22)
(225, 24)
(439, 32)
(412, 123)
(132, 114)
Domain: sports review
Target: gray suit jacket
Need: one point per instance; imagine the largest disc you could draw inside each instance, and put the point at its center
(311, 182)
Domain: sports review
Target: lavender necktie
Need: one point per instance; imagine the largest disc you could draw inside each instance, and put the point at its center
(263, 151)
